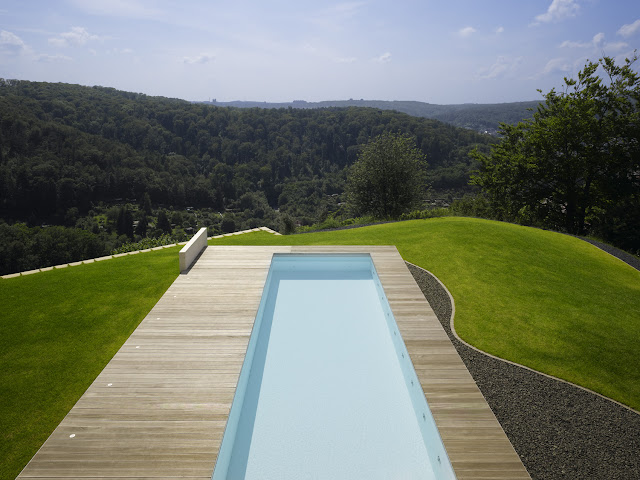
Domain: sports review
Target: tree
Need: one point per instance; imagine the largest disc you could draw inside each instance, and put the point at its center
(143, 225)
(288, 225)
(163, 222)
(124, 222)
(576, 161)
(228, 223)
(146, 204)
(389, 177)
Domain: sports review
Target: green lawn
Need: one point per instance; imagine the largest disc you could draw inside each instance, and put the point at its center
(546, 300)
(58, 330)
(542, 299)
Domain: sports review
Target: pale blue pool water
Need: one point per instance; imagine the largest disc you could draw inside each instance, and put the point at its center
(327, 389)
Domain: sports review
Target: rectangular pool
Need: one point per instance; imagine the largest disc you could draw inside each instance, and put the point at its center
(327, 388)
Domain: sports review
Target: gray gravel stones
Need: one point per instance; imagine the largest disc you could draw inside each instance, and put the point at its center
(616, 252)
(559, 431)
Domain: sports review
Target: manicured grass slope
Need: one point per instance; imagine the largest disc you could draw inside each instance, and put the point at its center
(542, 299)
(58, 330)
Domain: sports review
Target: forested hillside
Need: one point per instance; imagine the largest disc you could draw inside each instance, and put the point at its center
(481, 117)
(89, 157)
(66, 146)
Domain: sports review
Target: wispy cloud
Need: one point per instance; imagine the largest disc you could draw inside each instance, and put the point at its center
(556, 65)
(119, 8)
(199, 59)
(614, 47)
(558, 10)
(384, 58)
(499, 30)
(597, 39)
(76, 37)
(503, 65)
(596, 43)
(346, 59)
(629, 29)
(52, 58)
(12, 44)
(466, 31)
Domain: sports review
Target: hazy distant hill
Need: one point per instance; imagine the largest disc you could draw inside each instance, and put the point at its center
(476, 116)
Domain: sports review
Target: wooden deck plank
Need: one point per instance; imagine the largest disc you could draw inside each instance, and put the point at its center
(159, 408)
(475, 441)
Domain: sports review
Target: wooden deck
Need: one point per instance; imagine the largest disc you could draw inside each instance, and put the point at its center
(158, 410)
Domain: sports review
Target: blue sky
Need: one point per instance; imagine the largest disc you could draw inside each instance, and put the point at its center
(445, 51)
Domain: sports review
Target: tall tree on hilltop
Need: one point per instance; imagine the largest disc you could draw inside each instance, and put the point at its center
(388, 178)
(575, 166)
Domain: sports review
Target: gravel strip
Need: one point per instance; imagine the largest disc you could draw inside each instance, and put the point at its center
(560, 431)
(616, 252)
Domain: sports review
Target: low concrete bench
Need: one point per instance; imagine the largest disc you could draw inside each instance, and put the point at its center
(192, 249)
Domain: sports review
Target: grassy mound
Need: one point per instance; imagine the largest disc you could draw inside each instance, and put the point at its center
(58, 330)
(542, 299)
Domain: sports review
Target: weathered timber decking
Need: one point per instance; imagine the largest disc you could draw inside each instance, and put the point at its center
(159, 408)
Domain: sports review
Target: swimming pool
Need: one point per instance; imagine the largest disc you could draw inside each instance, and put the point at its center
(327, 389)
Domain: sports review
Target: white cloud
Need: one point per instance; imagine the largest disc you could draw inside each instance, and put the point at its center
(308, 48)
(58, 42)
(11, 44)
(76, 37)
(499, 30)
(115, 51)
(557, 11)
(347, 59)
(629, 29)
(384, 58)
(556, 65)
(503, 65)
(598, 38)
(466, 31)
(570, 44)
(596, 42)
(119, 8)
(612, 47)
(200, 59)
(53, 58)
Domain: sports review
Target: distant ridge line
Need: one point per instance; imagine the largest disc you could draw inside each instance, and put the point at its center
(482, 117)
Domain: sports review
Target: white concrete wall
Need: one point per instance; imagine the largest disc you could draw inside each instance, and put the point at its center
(192, 249)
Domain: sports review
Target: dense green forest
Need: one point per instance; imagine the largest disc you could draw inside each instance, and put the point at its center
(575, 166)
(481, 117)
(110, 165)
